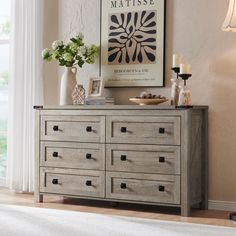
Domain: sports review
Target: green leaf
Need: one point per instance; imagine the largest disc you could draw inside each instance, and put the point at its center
(74, 40)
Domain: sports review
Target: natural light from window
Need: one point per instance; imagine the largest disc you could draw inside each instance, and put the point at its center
(5, 11)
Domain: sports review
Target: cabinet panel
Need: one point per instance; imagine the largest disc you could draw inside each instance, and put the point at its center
(73, 128)
(73, 155)
(71, 182)
(143, 187)
(143, 158)
(143, 130)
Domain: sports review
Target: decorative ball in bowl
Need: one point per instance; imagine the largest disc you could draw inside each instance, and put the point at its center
(148, 99)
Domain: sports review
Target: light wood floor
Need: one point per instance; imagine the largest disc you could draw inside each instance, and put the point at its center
(150, 212)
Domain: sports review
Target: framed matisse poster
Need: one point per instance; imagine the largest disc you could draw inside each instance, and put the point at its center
(133, 43)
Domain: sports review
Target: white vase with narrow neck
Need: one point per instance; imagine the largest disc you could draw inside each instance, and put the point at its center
(68, 83)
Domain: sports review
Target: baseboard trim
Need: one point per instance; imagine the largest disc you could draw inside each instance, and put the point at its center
(222, 205)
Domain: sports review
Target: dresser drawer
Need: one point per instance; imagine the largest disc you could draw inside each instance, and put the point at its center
(73, 155)
(73, 128)
(143, 158)
(72, 182)
(143, 130)
(143, 187)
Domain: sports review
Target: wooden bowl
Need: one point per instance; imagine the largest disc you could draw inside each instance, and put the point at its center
(148, 101)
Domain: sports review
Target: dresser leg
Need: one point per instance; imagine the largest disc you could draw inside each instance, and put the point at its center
(38, 198)
(204, 204)
(185, 211)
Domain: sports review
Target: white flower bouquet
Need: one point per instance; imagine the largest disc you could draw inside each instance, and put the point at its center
(71, 54)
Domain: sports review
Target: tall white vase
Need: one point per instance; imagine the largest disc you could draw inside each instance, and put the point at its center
(68, 82)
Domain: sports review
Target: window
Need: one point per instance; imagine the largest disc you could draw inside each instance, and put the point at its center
(5, 10)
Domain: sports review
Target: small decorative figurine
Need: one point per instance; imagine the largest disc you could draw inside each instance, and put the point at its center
(78, 95)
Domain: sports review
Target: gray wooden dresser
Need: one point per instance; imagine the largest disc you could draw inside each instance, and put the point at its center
(149, 155)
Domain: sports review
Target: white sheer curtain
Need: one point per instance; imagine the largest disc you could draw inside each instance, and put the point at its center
(26, 90)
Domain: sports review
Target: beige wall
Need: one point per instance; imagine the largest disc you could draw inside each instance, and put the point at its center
(50, 34)
(194, 30)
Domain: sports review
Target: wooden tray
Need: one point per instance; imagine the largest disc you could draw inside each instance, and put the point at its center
(148, 101)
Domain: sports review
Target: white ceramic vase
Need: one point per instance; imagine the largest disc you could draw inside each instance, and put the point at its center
(68, 83)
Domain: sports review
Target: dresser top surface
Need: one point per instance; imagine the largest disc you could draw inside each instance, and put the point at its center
(117, 107)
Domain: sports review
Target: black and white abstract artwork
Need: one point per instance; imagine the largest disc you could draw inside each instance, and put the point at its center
(132, 38)
(132, 43)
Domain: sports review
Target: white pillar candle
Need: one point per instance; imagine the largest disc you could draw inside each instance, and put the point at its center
(177, 60)
(185, 69)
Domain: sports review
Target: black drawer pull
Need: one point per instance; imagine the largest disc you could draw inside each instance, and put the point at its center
(89, 129)
(161, 188)
(123, 129)
(162, 130)
(55, 154)
(162, 159)
(89, 156)
(123, 186)
(123, 158)
(55, 128)
(88, 183)
(55, 181)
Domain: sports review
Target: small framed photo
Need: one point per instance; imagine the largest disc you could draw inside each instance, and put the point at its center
(96, 87)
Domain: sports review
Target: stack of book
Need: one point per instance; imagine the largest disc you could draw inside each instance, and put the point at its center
(99, 101)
